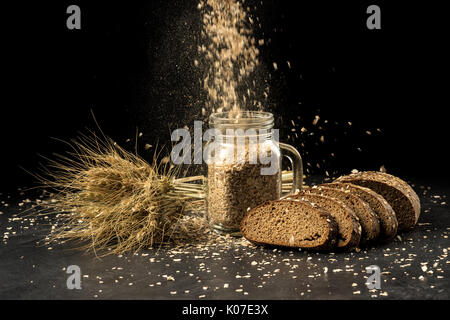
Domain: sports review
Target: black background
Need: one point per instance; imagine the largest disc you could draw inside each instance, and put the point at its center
(132, 65)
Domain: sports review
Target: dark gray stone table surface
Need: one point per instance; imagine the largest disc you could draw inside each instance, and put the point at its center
(414, 266)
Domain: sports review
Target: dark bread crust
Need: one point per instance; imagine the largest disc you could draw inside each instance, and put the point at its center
(353, 239)
(397, 192)
(384, 211)
(367, 218)
(327, 245)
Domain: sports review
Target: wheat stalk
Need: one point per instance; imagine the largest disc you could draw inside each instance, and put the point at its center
(114, 201)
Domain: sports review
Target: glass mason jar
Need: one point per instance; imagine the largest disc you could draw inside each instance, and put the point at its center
(244, 167)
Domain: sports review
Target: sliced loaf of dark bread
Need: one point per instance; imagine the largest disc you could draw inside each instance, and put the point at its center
(350, 230)
(367, 218)
(290, 223)
(383, 210)
(397, 192)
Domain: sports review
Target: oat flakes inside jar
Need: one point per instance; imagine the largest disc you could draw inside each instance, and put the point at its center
(244, 161)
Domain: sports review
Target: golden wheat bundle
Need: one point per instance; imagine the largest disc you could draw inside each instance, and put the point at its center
(114, 201)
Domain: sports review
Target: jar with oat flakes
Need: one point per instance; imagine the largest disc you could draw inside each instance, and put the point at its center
(244, 166)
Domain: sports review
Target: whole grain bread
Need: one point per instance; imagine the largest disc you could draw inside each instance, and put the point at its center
(367, 218)
(397, 192)
(383, 210)
(349, 228)
(290, 223)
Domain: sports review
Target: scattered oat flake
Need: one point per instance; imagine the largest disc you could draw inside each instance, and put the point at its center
(316, 120)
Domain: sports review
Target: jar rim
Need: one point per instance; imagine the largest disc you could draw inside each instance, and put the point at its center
(246, 120)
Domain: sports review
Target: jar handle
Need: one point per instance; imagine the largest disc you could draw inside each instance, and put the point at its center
(295, 158)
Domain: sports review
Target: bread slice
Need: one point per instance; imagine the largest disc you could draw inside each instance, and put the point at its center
(383, 210)
(290, 223)
(367, 218)
(349, 228)
(397, 192)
